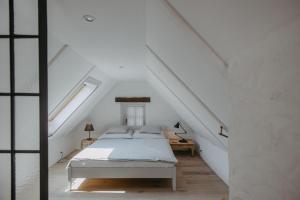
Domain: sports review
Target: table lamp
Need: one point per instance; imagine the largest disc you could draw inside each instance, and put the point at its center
(89, 127)
(178, 125)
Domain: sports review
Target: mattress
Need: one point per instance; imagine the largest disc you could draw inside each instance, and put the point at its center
(107, 163)
(126, 153)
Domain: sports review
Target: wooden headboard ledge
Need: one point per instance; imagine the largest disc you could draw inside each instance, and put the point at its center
(133, 99)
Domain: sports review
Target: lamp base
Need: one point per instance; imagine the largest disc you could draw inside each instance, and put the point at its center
(183, 141)
(89, 139)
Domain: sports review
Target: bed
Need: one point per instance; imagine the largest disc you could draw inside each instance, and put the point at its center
(128, 154)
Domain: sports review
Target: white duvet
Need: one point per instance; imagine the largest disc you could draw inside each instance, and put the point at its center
(128, 150)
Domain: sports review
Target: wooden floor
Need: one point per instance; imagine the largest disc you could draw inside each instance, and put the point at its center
(195, 180)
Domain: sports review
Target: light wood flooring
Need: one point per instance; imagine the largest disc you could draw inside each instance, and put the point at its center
(195, 180)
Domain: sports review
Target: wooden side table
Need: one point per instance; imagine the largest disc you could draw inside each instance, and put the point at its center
(176, 145)
(85, 142)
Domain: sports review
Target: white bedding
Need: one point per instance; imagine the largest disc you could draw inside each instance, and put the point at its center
(144, 150)
(145, 135)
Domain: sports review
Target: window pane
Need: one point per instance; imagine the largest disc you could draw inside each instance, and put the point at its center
(130, 116)
(27, 123)
(4, 17)
(27, 177)
(139, 116)
(70, 104)
(4, 123)
(5, 177)
(26, 17)
(4, 65)
(135, 116)
(26, 64)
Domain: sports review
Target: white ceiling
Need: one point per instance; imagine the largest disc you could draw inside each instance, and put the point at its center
(116, 38)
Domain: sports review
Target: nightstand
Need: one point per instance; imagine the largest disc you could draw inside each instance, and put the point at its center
(85, 142)
(176, 145)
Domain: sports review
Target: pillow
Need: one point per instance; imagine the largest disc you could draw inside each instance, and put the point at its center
(150, 129)
(139, 135)
(116, 136)
(117, 129)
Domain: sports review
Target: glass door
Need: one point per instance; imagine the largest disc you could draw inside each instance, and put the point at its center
(23, 100)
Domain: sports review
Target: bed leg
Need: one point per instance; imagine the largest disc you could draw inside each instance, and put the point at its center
(70, 182)
(174, 179)
(70, 178)
(174, 184)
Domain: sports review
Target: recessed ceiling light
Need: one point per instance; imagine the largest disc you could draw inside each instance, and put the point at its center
(89, 18)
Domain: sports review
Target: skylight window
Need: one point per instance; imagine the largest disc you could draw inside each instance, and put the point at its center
(70, 104)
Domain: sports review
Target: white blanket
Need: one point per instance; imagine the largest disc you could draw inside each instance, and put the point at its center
(128, 150)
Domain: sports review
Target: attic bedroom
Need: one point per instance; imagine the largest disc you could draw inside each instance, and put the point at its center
(149, 99)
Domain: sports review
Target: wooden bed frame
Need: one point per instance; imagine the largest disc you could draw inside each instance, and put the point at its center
(122, 172)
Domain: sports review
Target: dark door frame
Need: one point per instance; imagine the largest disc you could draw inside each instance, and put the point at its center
(43, 97)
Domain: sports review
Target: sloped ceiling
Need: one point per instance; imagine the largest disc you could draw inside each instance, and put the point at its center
(116, 38)
(232, 26)
(66, 70)
(188, 69)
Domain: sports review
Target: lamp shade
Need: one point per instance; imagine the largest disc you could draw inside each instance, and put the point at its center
(177, 125)
(89, 127)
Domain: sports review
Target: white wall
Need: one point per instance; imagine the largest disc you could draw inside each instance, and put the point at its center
(214, 153)
(264, 148)
(54, 46)
(63, 143)
(214, 156)
(107, 112)
(232, 26)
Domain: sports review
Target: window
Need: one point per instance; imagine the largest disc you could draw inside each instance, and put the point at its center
(70, 104)
(133, 115)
